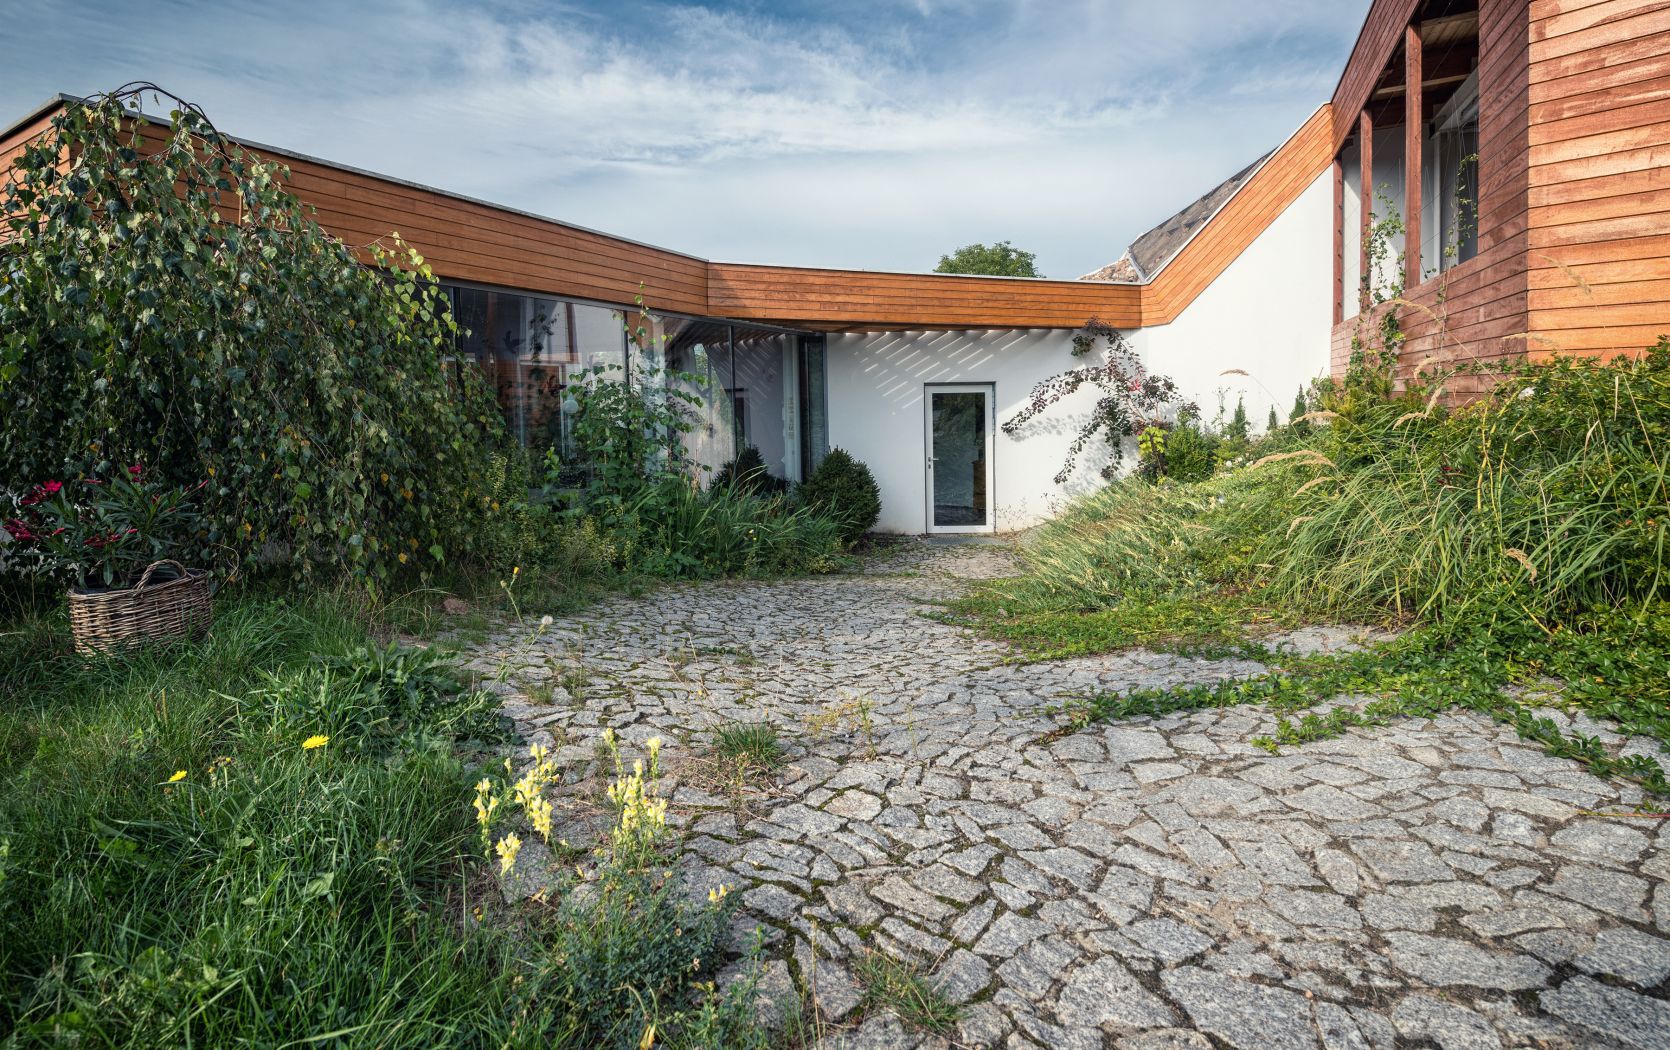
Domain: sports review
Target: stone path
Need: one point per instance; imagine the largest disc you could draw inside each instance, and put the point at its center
(1147, 884)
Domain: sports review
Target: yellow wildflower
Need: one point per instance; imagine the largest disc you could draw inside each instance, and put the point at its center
(507, 849)
(179, 775)
(314, 742)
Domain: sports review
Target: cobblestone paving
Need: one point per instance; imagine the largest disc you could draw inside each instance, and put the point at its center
(1146, 884)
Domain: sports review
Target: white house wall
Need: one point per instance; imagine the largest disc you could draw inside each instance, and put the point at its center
(1269, 314)
(876, 413)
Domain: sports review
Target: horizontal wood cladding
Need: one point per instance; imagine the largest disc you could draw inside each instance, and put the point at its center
(467, 240)
(846, 298)
(1598, 237)
(11, 147)
(1477, 311)
(842, 298)
(1381, 34)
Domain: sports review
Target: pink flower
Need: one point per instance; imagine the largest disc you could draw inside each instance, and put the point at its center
(134, 471)
(20, 530)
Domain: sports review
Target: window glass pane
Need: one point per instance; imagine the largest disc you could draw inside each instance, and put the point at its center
(766, 416)
(959, 458)
(698, 359)
(814, 419)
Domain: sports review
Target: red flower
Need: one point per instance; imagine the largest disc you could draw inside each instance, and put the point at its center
(134, 471)
(42, 492)
(20, 530)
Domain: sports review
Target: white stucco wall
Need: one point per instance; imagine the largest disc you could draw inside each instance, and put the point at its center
(1269, 314)
(877, 413)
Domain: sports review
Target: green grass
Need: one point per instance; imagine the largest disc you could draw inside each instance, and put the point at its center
(283, 896)
(1520, 537)
(753, 744)
(898, 986)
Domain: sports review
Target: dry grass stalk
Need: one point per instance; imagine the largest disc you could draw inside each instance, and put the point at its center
(1313, 482)
(1310, 457)
(1524, 559)
(1296, 522)
(1321, 415)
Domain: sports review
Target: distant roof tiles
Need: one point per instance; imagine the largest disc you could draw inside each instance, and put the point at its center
(1150, 252)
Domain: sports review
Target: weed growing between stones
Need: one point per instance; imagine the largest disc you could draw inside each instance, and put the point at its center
(854, 713)
(749, 744)
(898, 986)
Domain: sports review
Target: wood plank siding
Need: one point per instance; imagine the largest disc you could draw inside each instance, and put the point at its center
(1599, 199)
(1291, 170)
(11, 147)
(1477, 311)
(861, 299)
(844, 298)
(1381, 34)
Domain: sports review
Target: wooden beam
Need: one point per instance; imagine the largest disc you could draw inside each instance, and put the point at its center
(1339, 240)
(1413, 125)
(1365, 158)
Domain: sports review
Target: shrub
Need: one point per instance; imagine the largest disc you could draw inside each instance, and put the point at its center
(747, 473)
(100, 531)
(172, 302)
(844, 489)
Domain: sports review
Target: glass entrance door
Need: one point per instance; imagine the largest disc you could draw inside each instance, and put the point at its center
(960, 446)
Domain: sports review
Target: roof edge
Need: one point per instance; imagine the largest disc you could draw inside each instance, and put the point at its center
(290, 154)
(51, 104)
(1257, 169)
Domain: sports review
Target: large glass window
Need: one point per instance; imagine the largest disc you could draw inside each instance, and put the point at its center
(764, 395)
(1450, 182)
(699, 365)
(750, 386)
(814, 405)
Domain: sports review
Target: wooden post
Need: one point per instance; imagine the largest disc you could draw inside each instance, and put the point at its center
(1365, 152)
(1413, 121)
(1339, 240)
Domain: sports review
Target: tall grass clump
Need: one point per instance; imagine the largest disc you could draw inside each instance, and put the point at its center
(1518, 537)
(1544, 499)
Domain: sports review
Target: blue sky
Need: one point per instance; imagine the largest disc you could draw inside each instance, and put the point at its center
(873, 134)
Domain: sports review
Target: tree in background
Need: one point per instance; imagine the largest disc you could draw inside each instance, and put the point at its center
(999, 260)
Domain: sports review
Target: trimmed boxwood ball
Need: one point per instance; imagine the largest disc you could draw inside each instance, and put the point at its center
(844, 489)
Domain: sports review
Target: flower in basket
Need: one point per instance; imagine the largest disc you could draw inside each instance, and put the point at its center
(101, 531)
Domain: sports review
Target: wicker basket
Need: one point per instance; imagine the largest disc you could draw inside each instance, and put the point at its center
(111, 621)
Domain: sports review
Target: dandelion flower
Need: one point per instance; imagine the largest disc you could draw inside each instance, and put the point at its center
(179, 775)
(545, 621)
(317, 740)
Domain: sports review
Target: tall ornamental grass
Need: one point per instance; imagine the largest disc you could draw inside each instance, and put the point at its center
(1545, 499)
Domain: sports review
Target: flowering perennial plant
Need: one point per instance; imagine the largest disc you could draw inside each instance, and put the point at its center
(642, 817)
(99, 531)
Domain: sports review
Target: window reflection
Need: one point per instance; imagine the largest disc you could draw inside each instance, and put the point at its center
(747, 385)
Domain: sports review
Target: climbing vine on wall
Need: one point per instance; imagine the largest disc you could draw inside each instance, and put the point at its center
(1131, 400)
